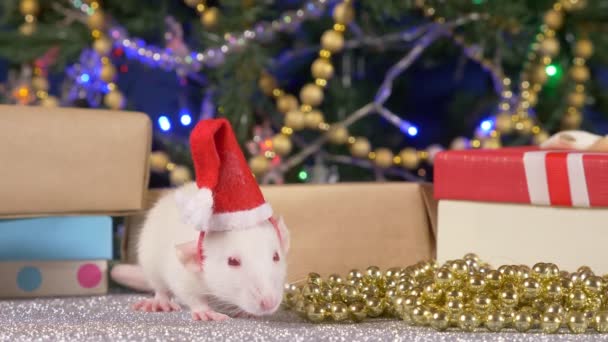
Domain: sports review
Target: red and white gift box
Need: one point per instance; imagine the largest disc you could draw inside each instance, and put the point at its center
(523, 205)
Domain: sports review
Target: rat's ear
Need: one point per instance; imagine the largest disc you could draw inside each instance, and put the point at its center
(285, 238)
(187, 256)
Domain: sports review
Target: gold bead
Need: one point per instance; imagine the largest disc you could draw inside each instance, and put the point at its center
(334, 279)
(409, 158)
(332, 41)
(27, 29)
(579, 73)
(550, 323)
(577, 299)
(313, 119)
(491, 143)
(539, 75)
(322, 68)
(572, 120)
(600, 321)
(311, 94)
(482, 302)
(573, 5)
(343, 13)
(440, 320)
(576, 99)
(522, 321)
(49, 102)
(210, 17)
(504, 124)
(594, 285)
(40, 83)
(493, 278)
(531, 288)
(495, 321)
(454, 306)
(350, 293)
(102, 46)
(338, 134)
(315, 313)
(509, 298)
(114, 100)
(97, 21)
(554, 19)
(287, 103)
(373, 272)
(360, 148)
(418, 316)
(550, 47)
(374, 307)
(281, 144)
(476, 283)
(311, 291)
(259, 165)
(354, 274)
(583, 48)
(159, 161)
(444, 277)
(339, 312)
(267, 84)
(108, 72)
(577, 322)
(468, 321)
(384, 158)
(29, 7)
(357, 311)
(180, 175)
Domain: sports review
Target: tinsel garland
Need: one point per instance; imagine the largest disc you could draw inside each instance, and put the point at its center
(464, 294)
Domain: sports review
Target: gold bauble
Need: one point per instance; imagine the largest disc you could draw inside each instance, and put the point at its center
(577, 322)
(550, 46)
(554, 19)
(409, 158)
(339, 312)
(192, 3)
(343, 13)
(495, 321)
(338, 134)
(210, 17)
(357, 311)
(440, 321)
(384, 158)
(503, 123)
(102, 46)
(40, 83)
(332, 41)
(295, 120)
(573, 5)
(572, 120)
(49, 101)
(267, 83)
(459, 143)
(108, 72)
(259, 165)
(286, 103)
(29, 7)
(180, 175)
(576, 99)
(281, 144)
(313, 119)
(600, 321)
(579, 73)
(315, 313)
(360, 148)
(322, 68)
(539, 75)
(468, 321)
(311, 94)
(540, 137)
(522, 321)
(159, 161)
(550, 322)
(97, 21)
(583, 48)
(524, 126)
(114, 100)
(27, 29)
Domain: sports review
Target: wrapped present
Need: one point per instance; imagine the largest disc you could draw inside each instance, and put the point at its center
(523, 205)
(58, 161)
(337, 227)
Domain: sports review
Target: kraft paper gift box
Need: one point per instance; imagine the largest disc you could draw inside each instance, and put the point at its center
(522, 206)
(335, 228)
(59, 161)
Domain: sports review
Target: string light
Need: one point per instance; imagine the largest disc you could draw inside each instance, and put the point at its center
(185, 119)
(486, 125)
(164, 123)
(303, 175)
(551, 70)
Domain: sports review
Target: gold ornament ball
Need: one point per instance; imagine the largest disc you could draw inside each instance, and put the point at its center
(159, 161)
(281, 144)
(539, 75)
(573, 5)
(384, 158)
(600, 321)
(313, 119)
(468, 321)
(540, 137)
(332, 41)
(576, 99)
(97, 21)
(102, 46)
(114, 100)
(311, 94)
(495, 321)
(409, 158)
(577, 322)
(108, 72)
(361, 147)
(583, 48)
(210, 17)
(357, 311)
(440, 321)
(339, 312)
(259, 165)
(322, 68)
(49, 101)
(504, 124)
(192, 3)
(267, 83)
(344, 13)
(40, 83)
(522, 321)
(550, 322)
(180, 175)
(27, 29)
(579, 73)
(295, 120)
(554, 19)
(337, 134)
(29, 7)
(550, 46)
(315, 313)
(286, 103)
(572, 120)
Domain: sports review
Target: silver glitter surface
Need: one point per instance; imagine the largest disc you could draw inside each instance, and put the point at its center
(109, 318)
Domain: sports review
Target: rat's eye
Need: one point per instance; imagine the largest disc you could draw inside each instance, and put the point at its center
(234, 262)
(276, 257)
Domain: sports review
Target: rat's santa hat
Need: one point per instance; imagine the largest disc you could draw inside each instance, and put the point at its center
(227, 195)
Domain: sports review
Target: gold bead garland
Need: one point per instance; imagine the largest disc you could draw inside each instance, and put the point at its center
(464, 294)
(29, 9)
(579, 73)
(160, 162)
(209, 15)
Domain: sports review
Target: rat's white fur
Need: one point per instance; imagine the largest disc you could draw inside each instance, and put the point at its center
(573, 139)
(258, 277)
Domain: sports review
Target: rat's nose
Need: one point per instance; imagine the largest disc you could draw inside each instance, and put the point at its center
(267, 303)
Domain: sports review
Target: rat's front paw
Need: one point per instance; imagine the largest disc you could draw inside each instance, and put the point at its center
(208, 315)
(155, 305)
(243, 314)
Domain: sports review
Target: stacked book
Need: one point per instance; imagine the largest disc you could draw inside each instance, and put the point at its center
(67, 173)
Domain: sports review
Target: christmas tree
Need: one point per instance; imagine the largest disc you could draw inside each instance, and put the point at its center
(319, 90)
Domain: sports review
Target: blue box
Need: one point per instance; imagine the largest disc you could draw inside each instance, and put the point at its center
(56, 238)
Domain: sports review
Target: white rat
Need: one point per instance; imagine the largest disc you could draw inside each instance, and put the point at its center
(244, 269)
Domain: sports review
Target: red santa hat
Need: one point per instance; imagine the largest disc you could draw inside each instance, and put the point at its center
(227, 195)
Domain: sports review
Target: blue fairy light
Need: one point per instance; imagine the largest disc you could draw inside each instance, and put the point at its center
(185, 119)
(164, 123)
(486, 125)
(412, 131)
(84, 78)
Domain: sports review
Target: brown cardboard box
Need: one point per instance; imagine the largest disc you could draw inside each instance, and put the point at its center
(58, 161)
(337, 227)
